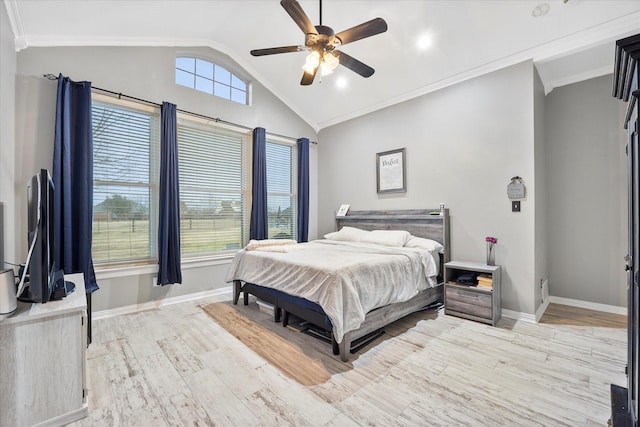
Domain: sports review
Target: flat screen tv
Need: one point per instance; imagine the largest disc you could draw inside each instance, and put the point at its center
(40, 268)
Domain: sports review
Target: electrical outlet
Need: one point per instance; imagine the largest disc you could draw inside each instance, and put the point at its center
(154, 281)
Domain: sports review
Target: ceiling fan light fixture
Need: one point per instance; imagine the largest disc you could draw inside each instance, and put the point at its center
(322, 42)
(328, 64)
(312, 62)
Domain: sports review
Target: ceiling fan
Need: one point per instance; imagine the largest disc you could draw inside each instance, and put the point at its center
(323, 43)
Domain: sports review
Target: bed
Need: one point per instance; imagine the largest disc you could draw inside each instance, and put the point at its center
(350, 288)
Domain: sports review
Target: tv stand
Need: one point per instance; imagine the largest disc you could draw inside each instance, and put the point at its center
(43, 361)
(62, 290)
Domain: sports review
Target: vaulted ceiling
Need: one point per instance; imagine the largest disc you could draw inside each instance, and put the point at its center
(568, 40)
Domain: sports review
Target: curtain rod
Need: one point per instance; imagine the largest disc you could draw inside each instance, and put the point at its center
(202, 116)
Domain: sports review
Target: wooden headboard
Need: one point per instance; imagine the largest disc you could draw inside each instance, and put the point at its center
(418, 222)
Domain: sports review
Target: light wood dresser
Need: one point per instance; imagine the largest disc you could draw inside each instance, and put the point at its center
(43, 361)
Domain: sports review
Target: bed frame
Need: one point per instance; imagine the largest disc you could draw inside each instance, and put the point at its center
(428, 223)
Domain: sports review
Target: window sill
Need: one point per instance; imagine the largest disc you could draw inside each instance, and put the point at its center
(110, 272)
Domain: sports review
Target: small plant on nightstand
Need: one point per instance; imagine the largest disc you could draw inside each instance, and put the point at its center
(491, 255)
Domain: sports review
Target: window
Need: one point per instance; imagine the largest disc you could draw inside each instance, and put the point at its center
(126, 141)
(210, 78)
(214, 175)
(281, 190)
(212, 163)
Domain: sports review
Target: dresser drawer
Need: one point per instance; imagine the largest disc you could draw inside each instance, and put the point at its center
(469, 301)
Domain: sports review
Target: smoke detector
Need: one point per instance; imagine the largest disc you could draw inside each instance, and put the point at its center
(541, 9)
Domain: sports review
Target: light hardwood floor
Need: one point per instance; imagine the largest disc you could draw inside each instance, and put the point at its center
(176, 366)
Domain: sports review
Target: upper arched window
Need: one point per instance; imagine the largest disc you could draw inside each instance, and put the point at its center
(211, 78)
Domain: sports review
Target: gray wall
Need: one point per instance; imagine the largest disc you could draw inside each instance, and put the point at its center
(146, 73)
(541, 224)
(463, 144)
(8, 59)
(587, 183)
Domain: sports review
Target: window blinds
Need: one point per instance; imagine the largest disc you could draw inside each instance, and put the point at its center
(212, 187)
(124, 158)
(281, 198)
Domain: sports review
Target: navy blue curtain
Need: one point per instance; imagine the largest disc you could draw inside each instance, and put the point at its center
(303, 190)
(259, 226)
(73, 180)
(169, 270)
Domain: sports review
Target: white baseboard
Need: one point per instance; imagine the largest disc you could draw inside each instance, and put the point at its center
(543, 307)
(531, 318)
(510, 314)
(518, 315)
(589, 305)
(103, 314)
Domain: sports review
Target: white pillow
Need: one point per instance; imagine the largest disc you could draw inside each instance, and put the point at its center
(428, 244)
(396, 238)
(331, 236)
(347, 234)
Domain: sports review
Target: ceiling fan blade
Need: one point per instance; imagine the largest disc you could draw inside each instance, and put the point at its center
(307, 78)
(294, 10)
(367, 29)
(353, 64)
(274, 50)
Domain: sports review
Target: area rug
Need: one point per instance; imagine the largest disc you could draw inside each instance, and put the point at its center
(280, 352)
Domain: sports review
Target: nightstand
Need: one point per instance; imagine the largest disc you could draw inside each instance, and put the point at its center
(470, 302)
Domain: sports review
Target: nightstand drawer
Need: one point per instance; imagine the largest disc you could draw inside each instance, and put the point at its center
(481, 299)
(470, 302)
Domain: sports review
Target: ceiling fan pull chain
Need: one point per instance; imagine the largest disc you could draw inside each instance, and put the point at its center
(320, 12)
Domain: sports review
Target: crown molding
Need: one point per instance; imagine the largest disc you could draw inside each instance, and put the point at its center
(16, 24)
(609, 31)
(602, 33)
(147, 42)
(579, 77)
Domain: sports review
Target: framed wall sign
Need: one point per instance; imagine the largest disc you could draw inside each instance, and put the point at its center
(390, 171)
(343, 210)
(516, 189)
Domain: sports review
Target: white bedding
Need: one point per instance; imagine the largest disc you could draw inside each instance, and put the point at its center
(346, 279)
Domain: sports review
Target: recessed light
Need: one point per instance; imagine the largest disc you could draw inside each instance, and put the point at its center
(425, 41)
(341, 82)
